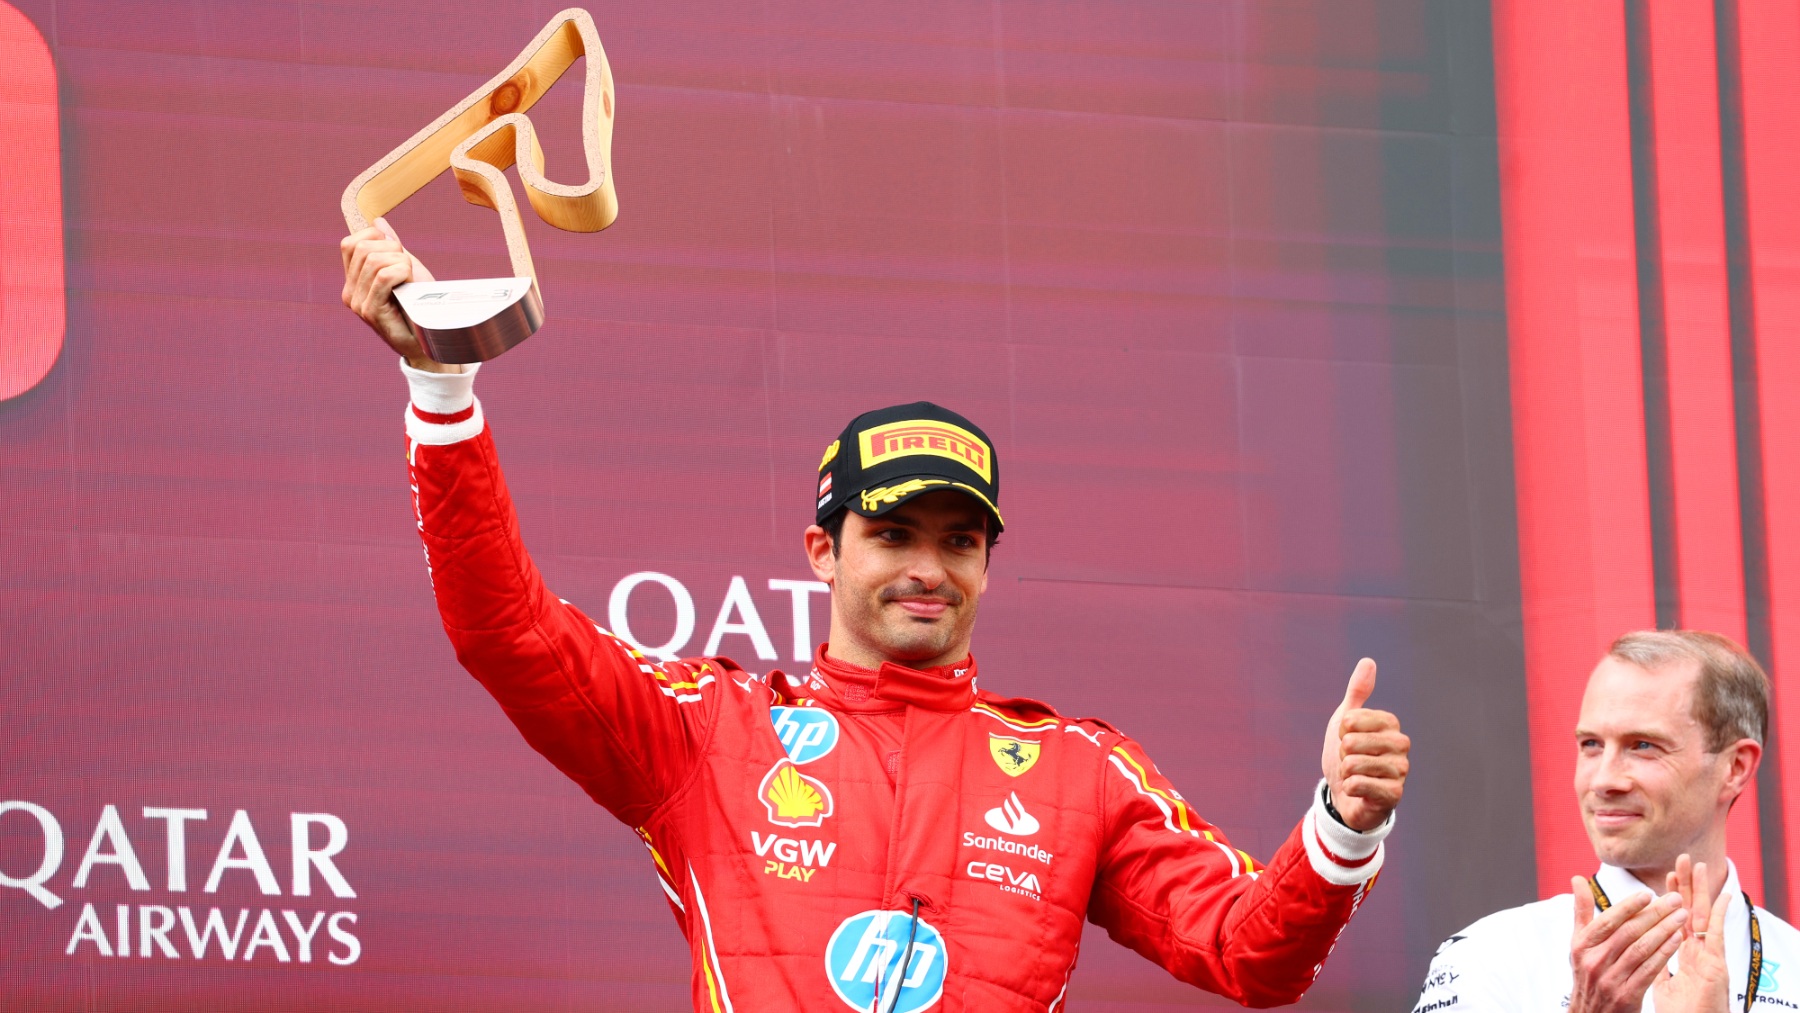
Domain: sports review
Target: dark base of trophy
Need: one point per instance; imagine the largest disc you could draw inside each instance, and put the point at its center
(471, 319)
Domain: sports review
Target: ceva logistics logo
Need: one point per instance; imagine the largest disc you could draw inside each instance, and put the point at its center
(31, 248)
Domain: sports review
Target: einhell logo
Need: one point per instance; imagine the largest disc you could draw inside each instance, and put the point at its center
(31, 250)
(925, 436)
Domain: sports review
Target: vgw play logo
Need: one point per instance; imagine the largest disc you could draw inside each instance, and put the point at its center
(31, 246)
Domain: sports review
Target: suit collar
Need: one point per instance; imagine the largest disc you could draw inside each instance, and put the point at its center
(852, 687)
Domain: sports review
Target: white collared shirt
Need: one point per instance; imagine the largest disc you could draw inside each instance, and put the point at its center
(1518, 959)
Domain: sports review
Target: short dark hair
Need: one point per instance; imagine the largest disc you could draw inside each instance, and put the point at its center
(834, 527)
(1731, 696)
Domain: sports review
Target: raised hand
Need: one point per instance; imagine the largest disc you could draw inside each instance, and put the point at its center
(375, 263)
(1701, 982)
(1364, 760)
(1619, 953)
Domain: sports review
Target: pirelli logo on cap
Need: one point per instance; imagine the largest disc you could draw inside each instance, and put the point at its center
(925, 436)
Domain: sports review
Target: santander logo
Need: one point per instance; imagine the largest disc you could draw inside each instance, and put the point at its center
(1010, 817)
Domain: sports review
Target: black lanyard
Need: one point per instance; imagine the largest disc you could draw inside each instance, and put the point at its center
(1602, 901)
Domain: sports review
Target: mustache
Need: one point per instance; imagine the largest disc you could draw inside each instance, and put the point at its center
(914, 589)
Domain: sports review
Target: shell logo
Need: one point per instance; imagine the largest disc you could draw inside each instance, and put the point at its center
(31, 247)
(792, 798)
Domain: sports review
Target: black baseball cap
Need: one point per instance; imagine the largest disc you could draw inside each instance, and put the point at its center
(885, 457)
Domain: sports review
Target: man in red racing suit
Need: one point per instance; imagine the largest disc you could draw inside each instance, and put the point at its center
(893, 838)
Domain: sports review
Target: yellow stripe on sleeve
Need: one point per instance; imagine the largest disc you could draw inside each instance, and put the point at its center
(1180, 807)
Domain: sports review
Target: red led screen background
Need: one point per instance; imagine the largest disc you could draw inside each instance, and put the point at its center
(1226, 281)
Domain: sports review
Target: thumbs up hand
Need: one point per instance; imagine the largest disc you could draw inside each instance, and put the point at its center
(1364, 760)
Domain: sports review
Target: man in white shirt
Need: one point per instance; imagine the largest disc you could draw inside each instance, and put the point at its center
(1671, 732)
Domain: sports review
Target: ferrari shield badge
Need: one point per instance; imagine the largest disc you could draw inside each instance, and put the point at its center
(1014, 756)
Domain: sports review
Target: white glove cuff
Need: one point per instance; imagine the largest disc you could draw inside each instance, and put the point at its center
(1339, 854)
(441, 393)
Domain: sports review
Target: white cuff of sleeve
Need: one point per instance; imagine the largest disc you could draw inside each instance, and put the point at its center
(1340, 855)
(442, 394)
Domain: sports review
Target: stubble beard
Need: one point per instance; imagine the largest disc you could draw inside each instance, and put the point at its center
(899, 637)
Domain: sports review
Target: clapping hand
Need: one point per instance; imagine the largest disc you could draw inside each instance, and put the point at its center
(1618, 954)
(1701, 983)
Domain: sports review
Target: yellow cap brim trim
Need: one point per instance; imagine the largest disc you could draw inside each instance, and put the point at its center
(936, 483)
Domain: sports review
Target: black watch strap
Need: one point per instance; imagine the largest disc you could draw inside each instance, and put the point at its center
(1326, 793)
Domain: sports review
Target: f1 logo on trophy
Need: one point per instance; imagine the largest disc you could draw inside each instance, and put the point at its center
(472, 320)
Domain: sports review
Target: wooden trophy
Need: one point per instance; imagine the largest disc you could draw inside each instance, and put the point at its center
(473, 320)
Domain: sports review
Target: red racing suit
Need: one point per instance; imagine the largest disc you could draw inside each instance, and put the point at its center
(894, 839)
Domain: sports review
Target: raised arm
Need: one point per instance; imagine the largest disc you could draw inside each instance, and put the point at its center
(624, 728)
(1173, 888)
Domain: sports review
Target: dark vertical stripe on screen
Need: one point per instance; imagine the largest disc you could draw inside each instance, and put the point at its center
(1751, 492)
(1691, 437)
(1650, 314)
(1767, 37)
(1585, 571)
